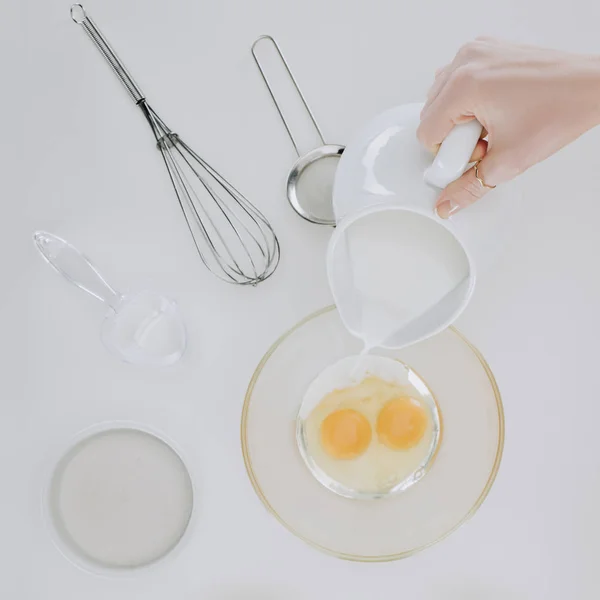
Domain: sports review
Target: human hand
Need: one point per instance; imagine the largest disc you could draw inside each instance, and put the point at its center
(530, 101)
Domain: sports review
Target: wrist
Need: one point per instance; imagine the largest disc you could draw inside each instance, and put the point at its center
(591, 83)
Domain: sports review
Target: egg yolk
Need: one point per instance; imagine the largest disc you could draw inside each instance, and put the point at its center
(345, 434)
(401, 423)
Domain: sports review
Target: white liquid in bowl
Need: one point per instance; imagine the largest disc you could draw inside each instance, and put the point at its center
(121, 498)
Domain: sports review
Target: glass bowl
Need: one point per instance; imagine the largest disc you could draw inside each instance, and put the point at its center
(393, 527)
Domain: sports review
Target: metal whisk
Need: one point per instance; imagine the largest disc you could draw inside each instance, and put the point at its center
(233, 238)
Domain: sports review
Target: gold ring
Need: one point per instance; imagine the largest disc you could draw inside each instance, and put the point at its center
(480, 178)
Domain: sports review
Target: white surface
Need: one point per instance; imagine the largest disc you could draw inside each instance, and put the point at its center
(78, 160)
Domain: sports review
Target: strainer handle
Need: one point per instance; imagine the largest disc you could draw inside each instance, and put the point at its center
(80, 17)
(294, 140)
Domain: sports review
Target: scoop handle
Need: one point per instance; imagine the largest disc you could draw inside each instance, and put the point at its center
(74, 267)
(454, 154)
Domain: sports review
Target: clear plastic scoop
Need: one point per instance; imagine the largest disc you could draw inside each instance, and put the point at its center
(143, 327)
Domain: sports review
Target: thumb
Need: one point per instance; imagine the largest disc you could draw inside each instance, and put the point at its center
(467, 189)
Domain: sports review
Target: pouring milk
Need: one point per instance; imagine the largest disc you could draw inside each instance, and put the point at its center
(398, 273)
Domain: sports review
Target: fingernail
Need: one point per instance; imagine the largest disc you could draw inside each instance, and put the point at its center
(446, 209)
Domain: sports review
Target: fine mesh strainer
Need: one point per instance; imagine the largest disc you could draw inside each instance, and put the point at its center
(310, 180)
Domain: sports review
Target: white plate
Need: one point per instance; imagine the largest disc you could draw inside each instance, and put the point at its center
(119, 499)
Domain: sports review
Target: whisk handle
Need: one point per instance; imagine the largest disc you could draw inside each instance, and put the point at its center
(80, 17)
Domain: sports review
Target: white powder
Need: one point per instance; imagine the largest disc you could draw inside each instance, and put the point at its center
(121, 498)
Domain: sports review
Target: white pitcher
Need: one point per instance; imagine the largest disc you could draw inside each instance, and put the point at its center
(399, 273)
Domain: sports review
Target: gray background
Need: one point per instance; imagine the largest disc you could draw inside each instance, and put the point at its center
(78, 160)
